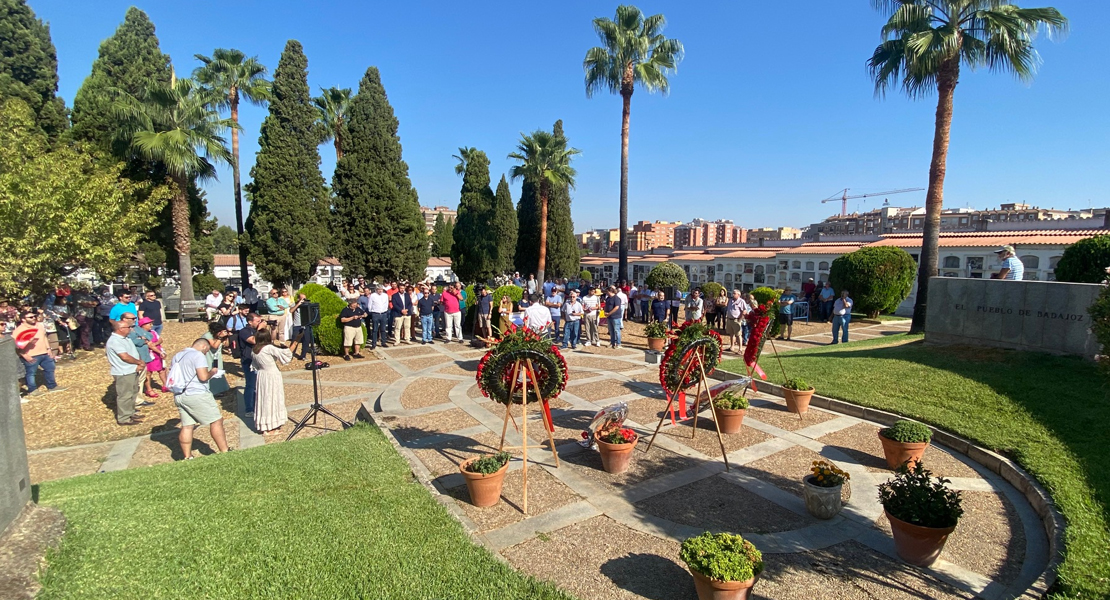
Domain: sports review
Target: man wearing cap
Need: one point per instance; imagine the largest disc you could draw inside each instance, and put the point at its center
(1012, 268)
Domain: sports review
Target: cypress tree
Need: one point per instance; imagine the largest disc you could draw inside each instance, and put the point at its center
(527, 253)
(285, 233)
(442, 236)
(29, 66)
(503, 226)
(378, 225)
(474, 252)
(562, 250)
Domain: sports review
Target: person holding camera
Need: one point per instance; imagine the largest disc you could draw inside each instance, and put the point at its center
(352, 318)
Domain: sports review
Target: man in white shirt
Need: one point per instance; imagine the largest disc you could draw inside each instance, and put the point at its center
(624, 302)
(195, 403)
(379, 316)
(694, 306)
(537, 317)
(555, 305)
(591, 302)
(842, 315)
(734, 320)
(1012, 268)
(573, 310)
(212, 304)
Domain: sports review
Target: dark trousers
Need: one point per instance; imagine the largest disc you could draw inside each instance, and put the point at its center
(102, 329)
(84, 333)
(249, 379)
(299, 336)
(674, 315)
(379, 329)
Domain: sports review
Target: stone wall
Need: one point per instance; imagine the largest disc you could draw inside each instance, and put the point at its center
(1044, 316)
(15, 480)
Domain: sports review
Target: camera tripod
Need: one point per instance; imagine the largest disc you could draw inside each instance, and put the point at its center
(316, 407)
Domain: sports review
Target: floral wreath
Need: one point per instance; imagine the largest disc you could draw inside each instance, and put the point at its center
(495, 370)
(758, 319)
(688, 338)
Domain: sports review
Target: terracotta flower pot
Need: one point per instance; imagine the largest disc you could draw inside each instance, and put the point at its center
(485, 490)
(821, 502)
(917, 545)
(615, 457)
(729, 420)
(656, 344)
(797, 401)
(711, 589)
(898, 453)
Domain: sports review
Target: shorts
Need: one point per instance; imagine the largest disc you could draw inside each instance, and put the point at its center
(786, 318)
(352, 336)
(732, 326)
(197, 409)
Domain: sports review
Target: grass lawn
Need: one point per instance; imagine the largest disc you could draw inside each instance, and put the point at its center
(337, 516)
(1051, 414)
(880, 318)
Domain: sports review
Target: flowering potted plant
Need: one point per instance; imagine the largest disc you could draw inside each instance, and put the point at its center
(616, 444)
(922, 512)
(729, 409)
(822, 488)
(724, 565)
(656, 335)
(484, 476)
(904, 442)
(798, 393)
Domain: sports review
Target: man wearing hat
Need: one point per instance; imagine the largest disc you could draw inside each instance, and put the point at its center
(1012, 268)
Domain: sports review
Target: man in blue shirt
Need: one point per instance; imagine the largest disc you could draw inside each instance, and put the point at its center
(1012, 268)
(485, 314)
(426, 306)
(825, 299)
(786, 313)
(125, 305)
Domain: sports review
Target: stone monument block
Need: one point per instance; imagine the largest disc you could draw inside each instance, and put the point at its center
(15, 479)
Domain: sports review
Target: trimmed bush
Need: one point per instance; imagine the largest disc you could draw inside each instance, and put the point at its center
(667, 274)
(1100, 318)
(312, 288)
(908, 432)
(586, 276)
(329, 334)
(722, 556)
(330, 302)
(711, 290)
(878, 279)
(204, 283)
(1085, 261)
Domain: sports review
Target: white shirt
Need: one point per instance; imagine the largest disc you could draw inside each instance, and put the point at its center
(591, 302)
(537, 318)
(214, 300)
(573, 310)
(842, 306)
(624, 302)
(379, 302)
(191, 359)
(1016, 267)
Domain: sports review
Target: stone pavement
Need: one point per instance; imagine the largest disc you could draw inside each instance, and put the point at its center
(617, 536)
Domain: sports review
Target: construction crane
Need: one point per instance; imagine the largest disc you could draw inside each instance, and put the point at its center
(844, 197)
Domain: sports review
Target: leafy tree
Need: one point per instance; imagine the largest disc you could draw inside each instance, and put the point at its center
(562, 247)
(60, 209)
(205, 283)
(378, 226)
(545, 160)
(924, 44)
(29, 66)
(225, 241)
(332, 107)
(586, 276)
(443, 237)
(634, 51)
(175, 126)
(878, 278)
(287, 227)
(711, 290)
(1085, 261)
(503, 226)
(527, 253)
(228, 76)
(463, 157)
(474, 251)
(667, 274)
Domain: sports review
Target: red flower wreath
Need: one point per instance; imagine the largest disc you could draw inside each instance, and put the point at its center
(684, 339)
(758, 319)
(495, 369)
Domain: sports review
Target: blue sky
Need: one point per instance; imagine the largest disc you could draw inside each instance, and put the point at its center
(771, 110)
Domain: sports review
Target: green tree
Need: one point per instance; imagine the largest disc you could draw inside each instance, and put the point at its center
(634, 51)
(562, 247)
(545, 160)
(925, 42)
(463, 157)
(332, 107)
(228, 76)
(503, 226)
(29, 66)
(474, 251)
(878, 278)
(667, 274)
(287, 226)
(443, 237)
(1085, 261)
(225, 240)
(527, 253)
(60, 209)
(173, 125)
(378, 228)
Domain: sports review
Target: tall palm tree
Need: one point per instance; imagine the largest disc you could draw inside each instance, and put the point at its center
(229, 76)
(332, 105)
(544, 161)
(924, 44)
(634, 52)
(175, 125)
(463, 157)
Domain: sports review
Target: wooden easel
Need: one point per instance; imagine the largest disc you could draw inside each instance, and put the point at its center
(696, 358)
(524, 365)
(752, 373)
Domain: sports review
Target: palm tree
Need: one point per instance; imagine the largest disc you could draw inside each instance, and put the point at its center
(463, 157)
(332, 105)
(924, 44)
(634, 52)
(544, 161)
(175, 125)
(228, 76)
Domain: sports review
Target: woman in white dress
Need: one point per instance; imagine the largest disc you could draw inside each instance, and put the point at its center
(269, 411)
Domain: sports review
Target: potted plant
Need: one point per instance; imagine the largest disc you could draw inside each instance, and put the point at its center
(729, 409)
(798, 394)
(656, 335)
(904, 441)
(724, 565)
(922, 512)
(822, 487)
(616, 444)
(484, 476)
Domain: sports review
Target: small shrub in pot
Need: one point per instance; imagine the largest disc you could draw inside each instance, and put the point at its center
(729, 409)
(797, 393)
(922, 511)
(905, 441)
(720, 562)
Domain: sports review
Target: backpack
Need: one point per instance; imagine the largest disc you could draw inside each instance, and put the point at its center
(177, 380)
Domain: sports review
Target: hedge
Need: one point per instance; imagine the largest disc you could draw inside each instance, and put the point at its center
(878, 279)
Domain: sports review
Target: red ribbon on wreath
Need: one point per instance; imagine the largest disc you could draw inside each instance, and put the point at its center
(758, 319)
